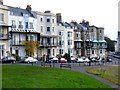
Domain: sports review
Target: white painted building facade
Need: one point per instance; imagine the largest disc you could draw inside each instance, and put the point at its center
(66, 39)
(23, 27)
(47, 26)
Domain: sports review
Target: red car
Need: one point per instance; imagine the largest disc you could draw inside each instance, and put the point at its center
(63, 60)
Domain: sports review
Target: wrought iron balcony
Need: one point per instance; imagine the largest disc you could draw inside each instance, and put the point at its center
(49, 44)
(99, 47)
(17, 43)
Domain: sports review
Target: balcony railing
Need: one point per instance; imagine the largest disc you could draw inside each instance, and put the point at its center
(17, 43)
(4, 36)
(49, 44)
(99, 47)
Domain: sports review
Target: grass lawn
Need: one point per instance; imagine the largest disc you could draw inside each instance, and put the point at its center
(109, 72)
(0, 76)
(16, 76)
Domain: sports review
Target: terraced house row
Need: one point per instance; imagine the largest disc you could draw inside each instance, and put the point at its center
(55, 36)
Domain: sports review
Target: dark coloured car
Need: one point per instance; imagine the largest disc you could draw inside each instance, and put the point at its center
(52, 60)
(9, 59)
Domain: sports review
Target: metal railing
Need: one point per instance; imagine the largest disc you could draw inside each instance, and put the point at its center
(49, 44)
(17, 42)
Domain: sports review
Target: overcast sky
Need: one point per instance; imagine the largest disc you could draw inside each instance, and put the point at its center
(101, 13)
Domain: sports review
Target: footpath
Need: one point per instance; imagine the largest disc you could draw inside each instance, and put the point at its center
(83, 69)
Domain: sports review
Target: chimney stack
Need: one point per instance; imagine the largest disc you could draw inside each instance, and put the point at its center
(47, 11)
(1, 2)
(59, 17)
(28, 8)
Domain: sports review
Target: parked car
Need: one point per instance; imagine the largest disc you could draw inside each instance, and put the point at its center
(54, 60)
(73, 59)
(109, 59)
(63, 60)
(83, 59)
(30, 60)
(9, 59)
(93, 59)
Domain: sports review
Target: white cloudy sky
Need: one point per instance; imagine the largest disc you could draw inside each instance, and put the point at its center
(101, 13)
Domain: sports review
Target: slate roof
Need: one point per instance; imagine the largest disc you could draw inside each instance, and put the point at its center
(20, 12)
(79, 26)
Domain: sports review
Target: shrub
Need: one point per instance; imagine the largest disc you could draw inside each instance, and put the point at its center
(18, 58)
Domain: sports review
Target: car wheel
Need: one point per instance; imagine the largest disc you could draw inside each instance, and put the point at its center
(14, 62)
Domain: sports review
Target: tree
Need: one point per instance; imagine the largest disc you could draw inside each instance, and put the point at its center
(67, 56)
(37, 45)
(110, 44)
(31, 46)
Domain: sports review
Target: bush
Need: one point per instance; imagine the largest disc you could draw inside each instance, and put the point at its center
(18, 58)
(67, 56)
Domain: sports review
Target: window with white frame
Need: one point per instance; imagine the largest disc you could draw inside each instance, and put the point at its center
(2, 51)
(77, 51)
(20, 24)
(60, 42)
(60, 33)
(69, 34)
(100, 44)
(48, 20)
(92, 51)
(69, 50)
(1, 32)
(52, 20)
(61, 51)
(41, 19)
(77, 35)
(13, 24)
(1, 17)
(53, 29)
(31, 37)
(69, 42)
(31, 25)
(101, 51)
(48, 29)
(53, 52)
(41, 28)
(26, 24)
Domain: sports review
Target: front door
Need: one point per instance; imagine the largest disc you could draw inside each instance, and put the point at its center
(17, 52)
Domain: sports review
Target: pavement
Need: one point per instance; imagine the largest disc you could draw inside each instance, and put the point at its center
(83, 70)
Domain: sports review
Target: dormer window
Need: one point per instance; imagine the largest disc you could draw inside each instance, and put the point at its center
(21, 13)
(20, 24)
(13, 24)
(31, 25)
